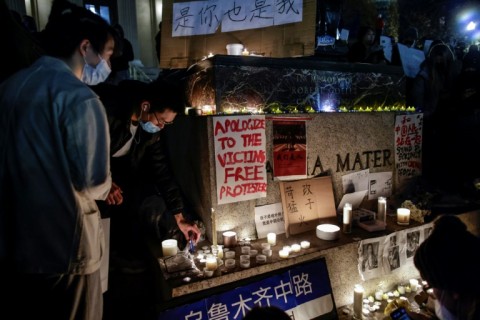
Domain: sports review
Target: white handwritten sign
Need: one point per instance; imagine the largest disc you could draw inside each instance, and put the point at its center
(408, 145)
(196, 17)
(240, 158)
(204, 17)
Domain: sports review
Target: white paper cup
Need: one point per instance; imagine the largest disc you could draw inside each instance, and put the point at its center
(234, 49)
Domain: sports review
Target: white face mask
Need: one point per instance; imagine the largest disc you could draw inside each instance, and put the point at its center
(95, 75)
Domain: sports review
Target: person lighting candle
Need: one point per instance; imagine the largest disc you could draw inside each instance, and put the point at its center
(449, 260)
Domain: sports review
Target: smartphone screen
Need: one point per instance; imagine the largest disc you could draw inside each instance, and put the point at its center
(400, 314)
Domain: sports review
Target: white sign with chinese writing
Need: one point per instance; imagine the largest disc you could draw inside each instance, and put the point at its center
(269, 218)
(408, 145)
(204, 17)
(196, 17)
(240, 158)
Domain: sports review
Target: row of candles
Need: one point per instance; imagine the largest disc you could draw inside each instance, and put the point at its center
(213, 256)
(364, 306)
(403, 215)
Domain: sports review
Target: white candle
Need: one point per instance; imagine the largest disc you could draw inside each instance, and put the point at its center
(401, 289)
(261, 258)
(347, 218)
(283, 253)
(267, 252)
(403, 216)
(305, 244)
(169, 247)
(220, 252)
(211, 263)
(230, 263)
(245, 263)
(245, 250)
(214, 228)
(413, 284)
(382, 209)
(296, 247)
(357, 301)
(272, 238)
(265, 245)
(379, 295)
(287, 248)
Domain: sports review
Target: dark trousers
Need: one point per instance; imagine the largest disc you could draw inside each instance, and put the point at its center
(53, 297)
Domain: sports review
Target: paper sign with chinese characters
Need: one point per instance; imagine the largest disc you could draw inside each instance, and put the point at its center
(305, 202)
(269, 218)
(408, 145)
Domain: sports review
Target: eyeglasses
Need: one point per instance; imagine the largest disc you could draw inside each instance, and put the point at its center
(160, 122)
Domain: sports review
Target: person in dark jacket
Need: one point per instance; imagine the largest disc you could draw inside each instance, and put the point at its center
(137, 112)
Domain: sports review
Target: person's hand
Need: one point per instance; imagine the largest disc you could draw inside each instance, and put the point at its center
(187, 227)
(115, 196)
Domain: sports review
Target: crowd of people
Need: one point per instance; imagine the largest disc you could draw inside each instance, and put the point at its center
(82, 141)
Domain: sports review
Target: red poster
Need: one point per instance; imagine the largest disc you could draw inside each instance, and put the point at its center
(289, 148)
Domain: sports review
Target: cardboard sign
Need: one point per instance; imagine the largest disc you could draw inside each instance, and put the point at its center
(305, 202)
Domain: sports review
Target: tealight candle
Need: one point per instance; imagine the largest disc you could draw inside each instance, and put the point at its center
(403, 216)
(229, 239)
(253, 253)
(230, 254)
(169, 247)
(305, 244)
(230, 263)
(296, 247)
(283, 253)
(246, 250)
(261, 258)
(212, 263)
(287, 248)
(245, 263)
(401, 289)
(265, 245)
(357, 301)
(272, 238)
(267, 252)
(244, 257)
(207, 273)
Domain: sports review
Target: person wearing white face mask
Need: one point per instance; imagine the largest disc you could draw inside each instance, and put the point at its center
(93, 75)
(449, 260)
(139, 113)
(54, 164)
(97, 66)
